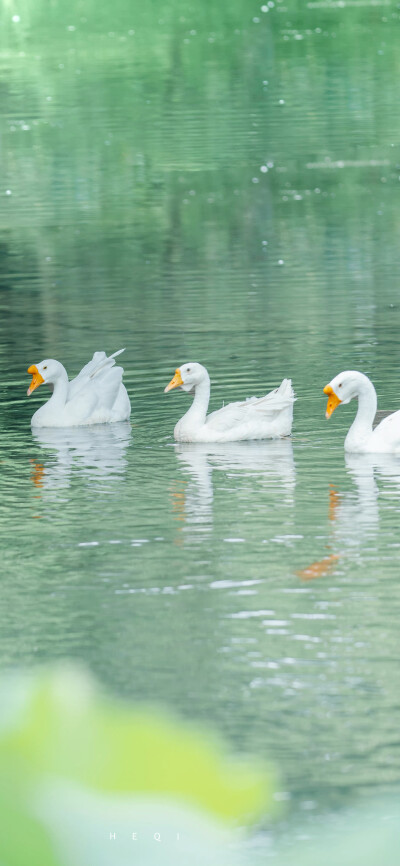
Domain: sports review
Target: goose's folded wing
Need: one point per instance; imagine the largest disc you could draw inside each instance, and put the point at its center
(100, 392)
(388, 431)
(380, 415)
(229, 416)
(277, 400)
(254, 408)
(90, 371)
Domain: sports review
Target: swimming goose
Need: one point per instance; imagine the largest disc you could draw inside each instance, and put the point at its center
(361, 438)
(95, 396)
(268, 417)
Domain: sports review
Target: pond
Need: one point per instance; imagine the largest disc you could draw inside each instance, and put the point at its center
(218, 183)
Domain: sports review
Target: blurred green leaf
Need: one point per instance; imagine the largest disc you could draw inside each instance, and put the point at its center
(77, 767)
(66, 729)
(20, 833)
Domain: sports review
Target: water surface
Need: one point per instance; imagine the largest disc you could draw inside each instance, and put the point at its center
(216, 184)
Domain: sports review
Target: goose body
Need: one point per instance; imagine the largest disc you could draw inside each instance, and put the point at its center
(96, 396)
(362, 438)
(268, 417)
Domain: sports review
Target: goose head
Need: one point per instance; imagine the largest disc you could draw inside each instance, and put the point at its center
(342, 389)
(187, 377)
(47, 372)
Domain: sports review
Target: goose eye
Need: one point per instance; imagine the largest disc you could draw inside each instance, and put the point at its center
(340, 384)
(45, 368)
(188, 369)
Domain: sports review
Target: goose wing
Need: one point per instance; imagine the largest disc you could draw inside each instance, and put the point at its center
(95, 369)
(387, 433)
(253, 410)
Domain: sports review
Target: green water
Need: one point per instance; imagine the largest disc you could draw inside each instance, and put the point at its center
(218, 183)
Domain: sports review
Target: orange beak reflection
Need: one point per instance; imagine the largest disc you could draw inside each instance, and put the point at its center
(333, 401)
(175, 382)
(37, 379)
(319, 569)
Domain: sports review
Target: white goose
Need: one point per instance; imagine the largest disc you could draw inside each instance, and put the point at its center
(361, 437)
(268, 417)
(95, 396)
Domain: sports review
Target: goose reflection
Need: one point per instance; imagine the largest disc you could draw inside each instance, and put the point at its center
(366, 470)
(265, 462)
(92, 452)
(355, 514)
(357, 511)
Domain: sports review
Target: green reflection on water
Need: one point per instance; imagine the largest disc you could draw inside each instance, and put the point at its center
(136, 210)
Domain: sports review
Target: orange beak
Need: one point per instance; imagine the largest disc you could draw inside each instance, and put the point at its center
(175, 382)
(37, 379)
(333, 401)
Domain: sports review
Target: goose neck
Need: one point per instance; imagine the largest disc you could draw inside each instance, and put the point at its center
(198, 409)
(361, 428)
(195, 417)
(60, 390)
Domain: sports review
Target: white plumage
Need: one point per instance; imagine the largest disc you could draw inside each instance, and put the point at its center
(96, 395)
(362, 438)
(268, 417)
